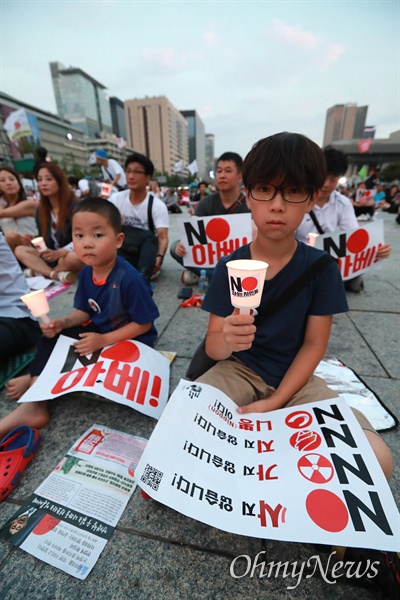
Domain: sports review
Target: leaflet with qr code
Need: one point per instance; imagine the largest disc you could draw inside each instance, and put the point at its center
(152, 477)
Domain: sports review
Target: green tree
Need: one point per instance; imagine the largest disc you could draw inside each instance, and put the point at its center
(391, 172)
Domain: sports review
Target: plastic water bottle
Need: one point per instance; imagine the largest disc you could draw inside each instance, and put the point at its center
(203, 282)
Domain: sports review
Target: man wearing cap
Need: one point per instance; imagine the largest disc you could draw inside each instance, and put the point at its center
(111, 169)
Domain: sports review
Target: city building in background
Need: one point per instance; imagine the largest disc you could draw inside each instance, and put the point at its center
(157, 129)
(118, 117)
(64, 142)
(81, 99)
(344, 122)
(210, 154)
(197, 141)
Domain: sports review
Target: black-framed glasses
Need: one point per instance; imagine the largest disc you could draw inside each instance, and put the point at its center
(296, 194)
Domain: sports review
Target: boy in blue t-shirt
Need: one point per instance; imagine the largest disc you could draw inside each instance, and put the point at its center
(269, 364)
(113, 303)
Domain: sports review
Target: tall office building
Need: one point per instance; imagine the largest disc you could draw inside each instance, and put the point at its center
(197, 141)
(81, 99)
(118, 117)
(210, 153)
(344, 122)
(157, 129)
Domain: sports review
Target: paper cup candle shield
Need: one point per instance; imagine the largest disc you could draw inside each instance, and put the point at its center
(246, 282)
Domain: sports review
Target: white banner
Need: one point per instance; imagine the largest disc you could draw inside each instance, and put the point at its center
(17, 125)
(129, 373)
(239, 474)
(207, 239)
(355, 250)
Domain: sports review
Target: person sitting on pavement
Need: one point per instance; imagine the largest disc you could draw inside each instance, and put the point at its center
(100, 318)
(17, 212)
(363, 202)
(227, 200)
(112, 171)
(144, 217)
(267, 365)
(334, 212)
(53, 217)
(19, 332)
(171, 201)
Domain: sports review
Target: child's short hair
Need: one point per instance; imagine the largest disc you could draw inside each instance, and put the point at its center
(142, 160)
(289, 158)
(234, 157)
(103, 207)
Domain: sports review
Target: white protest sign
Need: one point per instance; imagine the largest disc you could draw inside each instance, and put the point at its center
(355, 250)
(207, 239)
(238, 474)
(129, 373)
(364, 197)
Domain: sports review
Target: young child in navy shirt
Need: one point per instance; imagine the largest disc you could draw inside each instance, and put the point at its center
(113, 303)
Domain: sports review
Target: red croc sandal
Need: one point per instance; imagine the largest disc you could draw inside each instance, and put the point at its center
(17, 450)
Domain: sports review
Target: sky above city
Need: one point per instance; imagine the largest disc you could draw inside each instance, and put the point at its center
(249, 68)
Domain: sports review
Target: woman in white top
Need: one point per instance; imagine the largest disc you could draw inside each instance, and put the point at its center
(17, 213)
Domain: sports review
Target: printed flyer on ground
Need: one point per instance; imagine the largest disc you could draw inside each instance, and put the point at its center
(129, 373)
(301, 474)
(68, 519)
(207, 239)
(355, 250)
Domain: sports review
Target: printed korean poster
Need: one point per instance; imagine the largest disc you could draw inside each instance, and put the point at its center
(238, 474)
(70, 517)
(129, 373)
(207, 239)
(355, 250)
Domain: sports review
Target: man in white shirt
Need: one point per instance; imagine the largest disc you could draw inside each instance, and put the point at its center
(334, 212)
(144, 217)
(111, 169)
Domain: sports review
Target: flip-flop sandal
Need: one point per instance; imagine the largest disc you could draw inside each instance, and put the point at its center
(17, 450)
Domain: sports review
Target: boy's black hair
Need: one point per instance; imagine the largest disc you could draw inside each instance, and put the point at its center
(73, 180)
(142, 160)
(234, 157)
(288, 158)
(336, 161)
(103, 207)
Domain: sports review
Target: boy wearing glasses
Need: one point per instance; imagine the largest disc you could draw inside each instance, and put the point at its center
(144, 217)
(267, 365)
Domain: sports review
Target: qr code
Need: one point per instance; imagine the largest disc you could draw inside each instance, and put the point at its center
(152, 477)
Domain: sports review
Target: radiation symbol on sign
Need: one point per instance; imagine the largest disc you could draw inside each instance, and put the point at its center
(315, 468)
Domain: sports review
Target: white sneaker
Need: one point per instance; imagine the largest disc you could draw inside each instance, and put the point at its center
(362, 218)
(189, 278)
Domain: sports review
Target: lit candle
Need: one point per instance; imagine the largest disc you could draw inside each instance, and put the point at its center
(37, 304)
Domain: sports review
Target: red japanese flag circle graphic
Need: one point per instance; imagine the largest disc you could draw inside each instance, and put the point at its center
(123, 352)
(249, 283)
(327, 510)
(315, 468)
(358, 241)
(217, 230)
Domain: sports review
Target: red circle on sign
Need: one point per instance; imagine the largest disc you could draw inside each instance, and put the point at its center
(249, 283)
(327, 510)
(298, 419)
(358, 241)
(305, 440)
(123, 352)
(315, 468)
(217, 230)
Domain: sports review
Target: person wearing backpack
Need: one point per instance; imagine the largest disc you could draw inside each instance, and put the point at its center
(144, 216)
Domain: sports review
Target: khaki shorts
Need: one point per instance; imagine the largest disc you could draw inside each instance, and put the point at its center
(244, 386)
